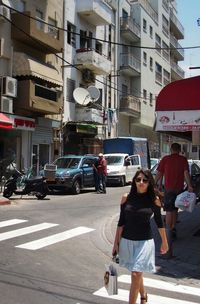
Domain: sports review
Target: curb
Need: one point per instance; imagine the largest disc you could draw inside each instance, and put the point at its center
(4, 201)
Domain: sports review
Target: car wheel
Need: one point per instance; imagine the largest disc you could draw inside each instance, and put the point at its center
(123, 181)
(76, 188)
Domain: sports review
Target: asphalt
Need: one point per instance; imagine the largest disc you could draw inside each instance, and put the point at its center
(186, 248)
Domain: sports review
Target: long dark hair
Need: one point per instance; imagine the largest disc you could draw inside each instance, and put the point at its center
(151, 185)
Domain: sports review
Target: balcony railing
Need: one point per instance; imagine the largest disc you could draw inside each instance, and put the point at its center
(178, 48)
(130, 28)
(130, 105)
(130, 64)
(180, 74)
(177, 25)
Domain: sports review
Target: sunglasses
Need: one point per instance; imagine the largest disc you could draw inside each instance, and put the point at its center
(139, 180)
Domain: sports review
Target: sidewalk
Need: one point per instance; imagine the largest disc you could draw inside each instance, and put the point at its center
(186, 262)
(4, 201)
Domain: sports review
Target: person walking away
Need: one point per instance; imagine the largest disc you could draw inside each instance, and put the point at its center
(175, 169)
(134, 237)
(102, 173)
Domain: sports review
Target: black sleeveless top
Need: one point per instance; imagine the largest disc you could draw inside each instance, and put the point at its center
(135, 216)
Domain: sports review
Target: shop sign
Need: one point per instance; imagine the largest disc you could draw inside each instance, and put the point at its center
(178, 120)
(23, 123)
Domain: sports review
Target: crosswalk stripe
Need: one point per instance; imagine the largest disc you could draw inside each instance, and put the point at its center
(11, 222)
(174, 287)
(24, 231)
(123, 295)
(40, 243)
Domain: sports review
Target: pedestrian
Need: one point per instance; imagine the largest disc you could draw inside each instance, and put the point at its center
(96, 176)
(133, 238)
(102, 173)
(174, 169)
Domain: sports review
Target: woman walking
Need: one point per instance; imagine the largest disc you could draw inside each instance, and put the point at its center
(133, 239)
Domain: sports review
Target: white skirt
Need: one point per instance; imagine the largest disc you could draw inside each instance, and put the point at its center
(137, 256)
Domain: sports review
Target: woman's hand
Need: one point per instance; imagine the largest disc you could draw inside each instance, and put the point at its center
(115, 249)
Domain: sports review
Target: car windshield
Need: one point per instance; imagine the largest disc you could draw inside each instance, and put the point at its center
(114, 160)
(71, 163)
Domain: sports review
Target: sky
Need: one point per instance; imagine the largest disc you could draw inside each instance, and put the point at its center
(188, 14)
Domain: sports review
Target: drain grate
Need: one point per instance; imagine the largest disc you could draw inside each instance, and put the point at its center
(197, 233)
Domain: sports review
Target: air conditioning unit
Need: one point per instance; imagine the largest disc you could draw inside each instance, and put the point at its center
(9, 86)
(6, 104)
(4, 13)
(88, 76)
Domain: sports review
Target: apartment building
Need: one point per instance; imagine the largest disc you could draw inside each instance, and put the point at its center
(147, 29)
(89, 61)
(31, 80)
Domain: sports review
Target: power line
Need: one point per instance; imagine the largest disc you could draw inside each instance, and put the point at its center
(104, 40)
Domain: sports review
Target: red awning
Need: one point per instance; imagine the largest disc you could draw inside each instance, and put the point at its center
(180, 95)
(5, 122)
(178, 106)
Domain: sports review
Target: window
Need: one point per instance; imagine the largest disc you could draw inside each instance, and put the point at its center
(124, 14)
(144, 25)
(70, 90)
(165, 51)
(151, 31)
(151, 99)
(158, 73)
(52, 27)
(85, 39)
(144, 58)
(39, 17)
(98, 47)
(145, 95)
(151, 63)
(71, 36)
(166, 77)
(124, 90)
(165, 26)
(158, 43)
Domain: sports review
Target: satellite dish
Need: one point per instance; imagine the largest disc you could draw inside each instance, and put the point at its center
(94, 93)
(81, 96)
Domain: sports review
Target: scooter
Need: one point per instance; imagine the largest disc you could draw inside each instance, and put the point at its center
(21, 184)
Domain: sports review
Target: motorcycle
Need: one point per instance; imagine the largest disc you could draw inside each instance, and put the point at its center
(22, 184)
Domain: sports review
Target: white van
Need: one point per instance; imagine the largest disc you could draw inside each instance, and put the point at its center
(122, 167)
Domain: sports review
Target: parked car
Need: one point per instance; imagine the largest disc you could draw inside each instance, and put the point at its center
(73, 173)
(195, 176)
(154, 161)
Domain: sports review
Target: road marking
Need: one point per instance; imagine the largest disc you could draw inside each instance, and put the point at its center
(123, 295)
(24, 231)
(174, 287)
(40, 243)
(11, 222)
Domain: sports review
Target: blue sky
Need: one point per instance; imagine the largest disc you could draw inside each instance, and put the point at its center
(188, 13)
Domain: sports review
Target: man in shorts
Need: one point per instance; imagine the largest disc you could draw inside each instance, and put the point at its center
(175, 170)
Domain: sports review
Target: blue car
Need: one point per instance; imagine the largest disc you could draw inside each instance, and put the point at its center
(72, 173)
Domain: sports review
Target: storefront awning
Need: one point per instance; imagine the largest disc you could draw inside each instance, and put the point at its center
(5, 122)
(178, 106)
(24, 65)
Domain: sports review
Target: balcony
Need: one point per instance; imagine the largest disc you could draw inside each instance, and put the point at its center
(91, 60)
(130, 65)
(33, 97)
(130, 105)
(177, 73)
(129, 29)
(89, 115)
(176, 26)
(36, 34)
(95, 12)
(148, 8)
(178, 52)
